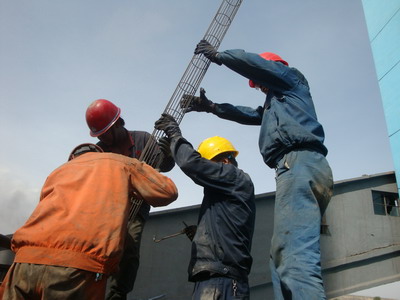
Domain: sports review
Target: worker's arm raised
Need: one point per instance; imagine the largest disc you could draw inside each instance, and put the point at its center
(151, 186)
(208, 51)
(192, 103)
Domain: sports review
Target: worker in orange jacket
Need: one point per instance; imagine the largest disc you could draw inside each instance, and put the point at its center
(104, 121)
(74, 238)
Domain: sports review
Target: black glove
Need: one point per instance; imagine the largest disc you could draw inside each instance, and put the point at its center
(165, 146)
(193, 103)
(168, 124)
(208, 51)
(190, 231)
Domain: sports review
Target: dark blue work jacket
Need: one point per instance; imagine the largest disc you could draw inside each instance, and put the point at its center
(287, 118)
(224, 234)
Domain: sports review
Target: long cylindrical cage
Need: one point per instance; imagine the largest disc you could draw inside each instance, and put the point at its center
(190, 82)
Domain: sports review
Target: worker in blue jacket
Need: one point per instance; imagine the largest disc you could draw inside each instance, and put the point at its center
(291, 141)
(220, 259)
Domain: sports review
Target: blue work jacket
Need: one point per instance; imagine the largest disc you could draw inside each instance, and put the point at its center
(287, 118)
(222, 242)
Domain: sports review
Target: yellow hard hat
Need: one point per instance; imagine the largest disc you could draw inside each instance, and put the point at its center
(213, 146)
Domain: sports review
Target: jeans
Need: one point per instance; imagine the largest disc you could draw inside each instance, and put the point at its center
(221, 288)
(304, 189)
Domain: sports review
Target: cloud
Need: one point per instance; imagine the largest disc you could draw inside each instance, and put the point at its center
(18, 201)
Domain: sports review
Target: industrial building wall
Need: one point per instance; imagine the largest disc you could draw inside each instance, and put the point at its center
(360, 243)
(383, 23)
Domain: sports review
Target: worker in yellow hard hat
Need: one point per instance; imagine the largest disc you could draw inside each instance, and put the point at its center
(291, 141)
(220, 259)
(105, 122)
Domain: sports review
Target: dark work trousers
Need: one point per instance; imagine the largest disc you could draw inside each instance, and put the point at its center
(121, 283)
(221, 288)
(35, 282)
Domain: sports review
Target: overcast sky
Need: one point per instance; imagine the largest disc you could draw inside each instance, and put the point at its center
(56, 57)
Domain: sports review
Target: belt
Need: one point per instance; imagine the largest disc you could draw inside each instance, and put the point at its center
(206, 275)
(296, 148)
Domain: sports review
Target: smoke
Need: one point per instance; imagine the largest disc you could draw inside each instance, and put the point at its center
(18, 200)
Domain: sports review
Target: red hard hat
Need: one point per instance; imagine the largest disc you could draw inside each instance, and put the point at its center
(101, 115)
(269, 56)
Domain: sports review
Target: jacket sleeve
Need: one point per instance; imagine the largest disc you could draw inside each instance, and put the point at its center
(271, 74)
(240, 114)
(151, 186)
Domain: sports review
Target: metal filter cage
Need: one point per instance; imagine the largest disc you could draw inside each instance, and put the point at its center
(190, 81)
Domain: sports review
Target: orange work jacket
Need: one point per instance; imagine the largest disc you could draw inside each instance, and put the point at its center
(82, 215)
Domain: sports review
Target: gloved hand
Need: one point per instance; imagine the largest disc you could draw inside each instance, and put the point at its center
(168, 124)
(208, 51)
(190, 231)
(193, 103)
(165, 146)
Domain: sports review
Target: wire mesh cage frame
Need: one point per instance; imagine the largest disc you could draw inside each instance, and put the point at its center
(189, 84)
